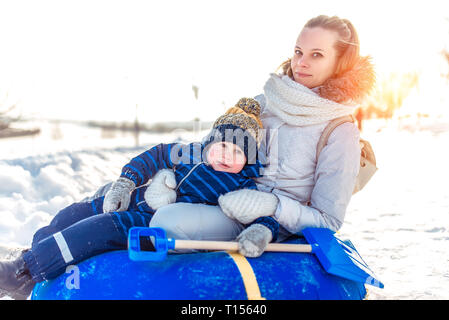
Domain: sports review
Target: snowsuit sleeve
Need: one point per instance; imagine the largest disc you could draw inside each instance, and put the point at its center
(143, 167)
(335, 176)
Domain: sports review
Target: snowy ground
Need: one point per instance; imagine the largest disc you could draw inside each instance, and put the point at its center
(399, 222)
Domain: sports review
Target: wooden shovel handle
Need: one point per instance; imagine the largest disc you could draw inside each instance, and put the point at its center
(233, 246)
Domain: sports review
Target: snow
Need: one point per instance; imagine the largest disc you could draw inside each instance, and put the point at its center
(398, 223)
(58, 172)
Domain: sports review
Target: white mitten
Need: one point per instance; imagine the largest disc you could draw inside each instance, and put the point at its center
(161, 191)
(247, 205)
(253, 240)
(118, 197)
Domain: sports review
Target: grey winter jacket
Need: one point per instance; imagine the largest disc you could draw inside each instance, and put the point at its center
(311, 193)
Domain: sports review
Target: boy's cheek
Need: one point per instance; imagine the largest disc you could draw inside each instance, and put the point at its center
(211, 156)
(238, 166)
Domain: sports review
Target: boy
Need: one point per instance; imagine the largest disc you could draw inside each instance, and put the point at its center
(225, 161)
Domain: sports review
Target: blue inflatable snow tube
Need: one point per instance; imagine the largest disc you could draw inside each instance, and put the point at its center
(199, 276)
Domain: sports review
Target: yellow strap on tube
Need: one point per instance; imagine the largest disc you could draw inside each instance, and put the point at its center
(248, 276)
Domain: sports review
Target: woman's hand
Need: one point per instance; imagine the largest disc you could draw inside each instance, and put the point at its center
(118, 197)
(161, 190)
(247, 205)
(253, 240)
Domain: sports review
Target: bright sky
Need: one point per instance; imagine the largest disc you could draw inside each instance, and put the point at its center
(98, 59)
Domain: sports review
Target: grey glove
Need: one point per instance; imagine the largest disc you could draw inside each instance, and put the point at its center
(247, 205)
(253, 240)
(118, 197)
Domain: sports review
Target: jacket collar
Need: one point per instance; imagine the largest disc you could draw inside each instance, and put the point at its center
(352, 86)
(252, 170)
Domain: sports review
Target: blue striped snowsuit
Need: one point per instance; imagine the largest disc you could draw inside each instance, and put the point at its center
(82, 230)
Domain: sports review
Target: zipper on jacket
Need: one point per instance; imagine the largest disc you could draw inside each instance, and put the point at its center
(188, 174)
(143, 185)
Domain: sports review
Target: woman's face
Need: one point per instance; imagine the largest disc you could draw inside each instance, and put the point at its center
(315, 57)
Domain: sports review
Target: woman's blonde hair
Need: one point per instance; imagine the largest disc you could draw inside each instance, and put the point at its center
(347, 46)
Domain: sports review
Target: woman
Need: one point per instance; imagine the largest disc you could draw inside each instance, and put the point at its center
(323, 80)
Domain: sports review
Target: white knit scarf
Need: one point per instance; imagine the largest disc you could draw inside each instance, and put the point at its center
(298, 105)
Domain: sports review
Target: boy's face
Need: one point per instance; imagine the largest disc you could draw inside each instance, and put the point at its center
(226, 157)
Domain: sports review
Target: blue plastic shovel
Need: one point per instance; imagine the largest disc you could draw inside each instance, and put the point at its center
(337, 257)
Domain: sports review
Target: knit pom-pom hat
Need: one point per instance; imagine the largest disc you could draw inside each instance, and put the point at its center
(240, 125)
